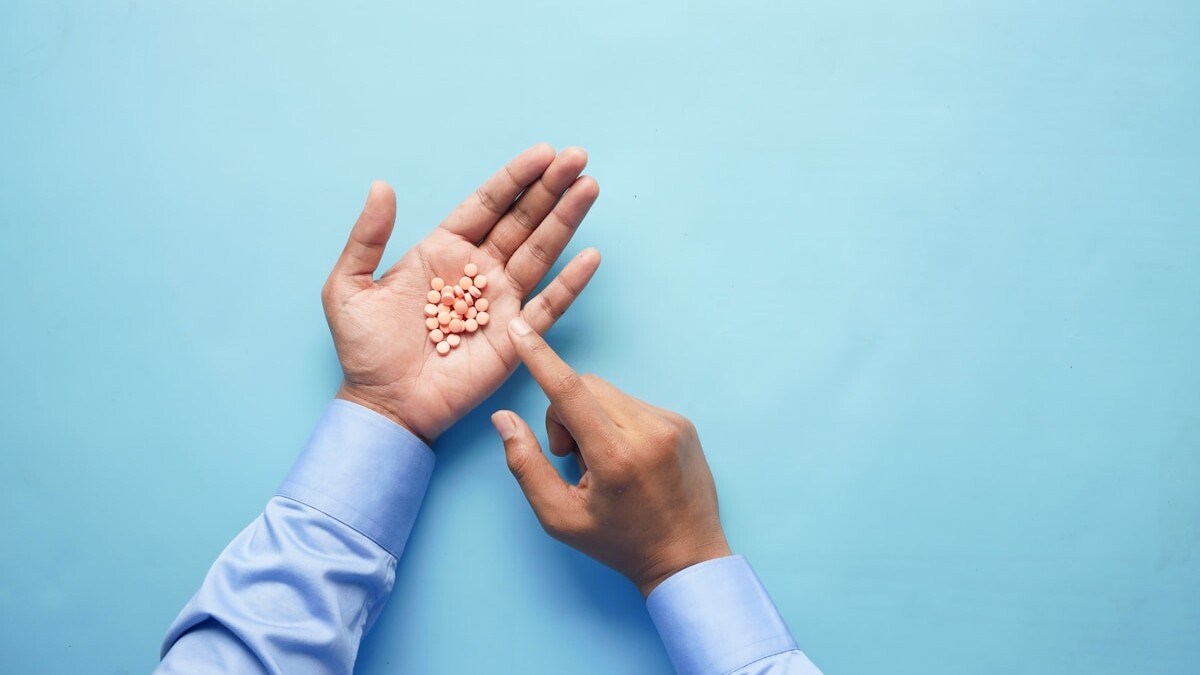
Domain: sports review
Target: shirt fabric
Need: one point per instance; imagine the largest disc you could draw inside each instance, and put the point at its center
(295, 592)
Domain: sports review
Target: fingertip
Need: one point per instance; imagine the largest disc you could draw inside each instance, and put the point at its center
(379, 188)
(574, 155)
(543, 151)
(588, 186)
(505, 424)
(590, 256)
(519, 328)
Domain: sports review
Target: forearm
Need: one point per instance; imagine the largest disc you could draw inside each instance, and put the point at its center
(298, 588)
(716, 618)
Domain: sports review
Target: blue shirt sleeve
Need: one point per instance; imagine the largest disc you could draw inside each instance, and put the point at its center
(715, 618)
(298, 588)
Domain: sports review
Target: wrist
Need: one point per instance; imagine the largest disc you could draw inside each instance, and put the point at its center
(351, 393)
(713, 548)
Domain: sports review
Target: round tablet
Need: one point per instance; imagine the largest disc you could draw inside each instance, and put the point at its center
(431, 322)
(433, 296)
(436, 335)
(436, 283)
(465, 283)
(482, 304)
(460, 306)
(471, 269)
(443, 348)
(482, 318)
(453, 340)
(474, 292)
(471, 312)
(471, 325)
(480, 281)
(431, 310)
(456, 325)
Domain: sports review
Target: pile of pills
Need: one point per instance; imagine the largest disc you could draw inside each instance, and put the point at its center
(454, 310)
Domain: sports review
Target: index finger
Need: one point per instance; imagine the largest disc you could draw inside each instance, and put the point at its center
(575, 404)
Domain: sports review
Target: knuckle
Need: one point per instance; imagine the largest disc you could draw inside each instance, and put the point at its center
(568, 384)
(488, 201)
(663, 432)
(549, 309)
(518, 464)
(539, 253)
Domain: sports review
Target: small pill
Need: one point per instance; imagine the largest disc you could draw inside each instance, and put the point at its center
(448, 300)
(474, 292)
(444, 318)
(453, 340)
(465, 283)
(471, 325)
(480, 282)
(482, 318)
(456, 325)
(443, 348)
(431, 323)
(471, 312)
(459, 292)
(436, 335)
(471, 269)
(482, 304)
(433, 296)
(436, 283)
(431, 310)
(469, 300)
(460, 306)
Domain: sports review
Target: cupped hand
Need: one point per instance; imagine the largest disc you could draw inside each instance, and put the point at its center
(646, 504)
(514, 227)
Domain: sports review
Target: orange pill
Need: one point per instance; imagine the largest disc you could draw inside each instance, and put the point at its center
(471, 325)
(469, 299)
(431, 323)
(460, 306)
(436, 335)
(482, 304)
(456, 325)
(447, 300)
(454, 340)
(471, 269)
(471, 312)
(433, 296)
(443, 348)
(459, 292)
(431, 310)
(465, 283)
(474, 292)
(480, 281)
(443, 318)
(436, 283)
(482, 318)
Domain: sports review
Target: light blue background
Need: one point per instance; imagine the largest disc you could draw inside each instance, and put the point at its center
(933, 303)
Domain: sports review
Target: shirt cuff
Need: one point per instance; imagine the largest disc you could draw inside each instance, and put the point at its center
(716, 616)
(364, 470)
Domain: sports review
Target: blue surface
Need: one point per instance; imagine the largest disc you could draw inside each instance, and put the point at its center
(937, 326)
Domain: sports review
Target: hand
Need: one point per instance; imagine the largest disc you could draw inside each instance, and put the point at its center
(645, 505)
(513, 227)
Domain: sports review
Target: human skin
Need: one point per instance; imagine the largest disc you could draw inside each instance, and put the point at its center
(514, 227)
(646, 503)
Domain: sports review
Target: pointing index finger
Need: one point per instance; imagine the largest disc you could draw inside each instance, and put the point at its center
(575, 404)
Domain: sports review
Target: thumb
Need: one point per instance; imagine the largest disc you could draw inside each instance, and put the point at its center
(546, 491)
(370, 234)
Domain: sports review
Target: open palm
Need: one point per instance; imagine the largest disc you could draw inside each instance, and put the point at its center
(513, 227)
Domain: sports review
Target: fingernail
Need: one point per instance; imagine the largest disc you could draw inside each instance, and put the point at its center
(504, 423)
(519, 327)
